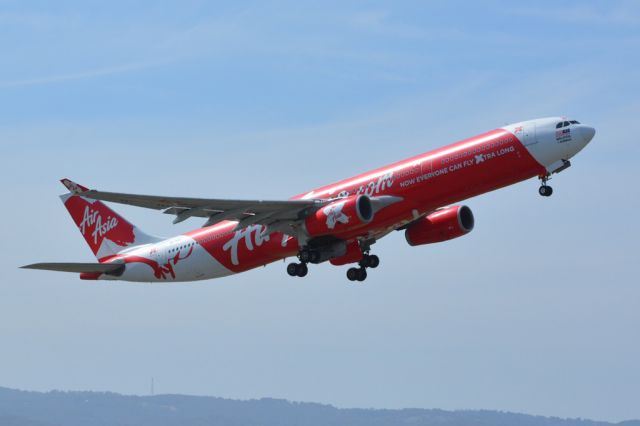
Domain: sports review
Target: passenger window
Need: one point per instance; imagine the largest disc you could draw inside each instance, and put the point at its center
(573, 122)
(566, 123)
(558, 125)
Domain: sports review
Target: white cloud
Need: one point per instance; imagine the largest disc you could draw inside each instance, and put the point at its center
(77, 76)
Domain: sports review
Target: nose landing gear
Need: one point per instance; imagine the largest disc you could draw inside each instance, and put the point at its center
(545, 190)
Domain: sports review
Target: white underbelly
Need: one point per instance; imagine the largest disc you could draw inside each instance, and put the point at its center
(198, 265)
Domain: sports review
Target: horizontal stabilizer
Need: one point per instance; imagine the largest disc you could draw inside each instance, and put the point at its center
(91, 268)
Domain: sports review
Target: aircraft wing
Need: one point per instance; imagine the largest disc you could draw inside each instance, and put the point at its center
(102, 268)
(247, 212)
(277, 215)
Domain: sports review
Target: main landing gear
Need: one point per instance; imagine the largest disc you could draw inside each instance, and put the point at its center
(311, 256)
(297, 269)
(360, 274)
(545, 190)
(301, 269)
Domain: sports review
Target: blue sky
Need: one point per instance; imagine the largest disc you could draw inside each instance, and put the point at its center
(535, 311)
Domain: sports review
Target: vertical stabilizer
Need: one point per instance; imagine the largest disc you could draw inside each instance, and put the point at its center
(106, 232)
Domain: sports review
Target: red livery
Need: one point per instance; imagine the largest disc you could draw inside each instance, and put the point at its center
(338, 223)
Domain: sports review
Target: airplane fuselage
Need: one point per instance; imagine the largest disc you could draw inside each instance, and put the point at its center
(419, 185)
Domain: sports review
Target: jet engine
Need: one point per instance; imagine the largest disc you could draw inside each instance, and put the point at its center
(339, 216)
(442, 225)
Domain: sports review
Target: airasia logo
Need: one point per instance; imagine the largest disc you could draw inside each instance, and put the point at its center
(92, 218)
(253, 237)
(335, 215)
(96, 222)
(255, 232)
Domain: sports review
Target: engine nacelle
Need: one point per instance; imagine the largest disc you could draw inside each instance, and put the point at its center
(443, 225)
(339, 216)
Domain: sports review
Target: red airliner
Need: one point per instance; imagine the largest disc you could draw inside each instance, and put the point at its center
(338, 223)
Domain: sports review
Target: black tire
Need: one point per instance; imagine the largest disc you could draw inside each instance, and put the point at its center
(374, 261)
(545, 191)
(352, 274)
(302, 270)
(292, 269)
(362, 274)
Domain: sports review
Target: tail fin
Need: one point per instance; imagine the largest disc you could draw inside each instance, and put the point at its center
(106, 232)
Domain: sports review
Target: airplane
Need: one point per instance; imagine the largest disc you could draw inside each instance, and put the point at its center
(337, 223)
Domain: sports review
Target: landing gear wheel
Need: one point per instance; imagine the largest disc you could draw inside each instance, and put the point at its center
(352, 274)
(369, 261)
(362, 274)
(302, 270)
(545, 190)
(292, 269)
(297, 269)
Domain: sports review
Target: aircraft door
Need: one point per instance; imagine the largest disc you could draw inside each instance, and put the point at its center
(529, 134)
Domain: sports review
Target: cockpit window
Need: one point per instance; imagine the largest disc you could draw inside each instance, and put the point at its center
(566, 123)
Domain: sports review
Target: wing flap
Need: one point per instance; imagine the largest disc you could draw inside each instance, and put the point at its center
(204, 205)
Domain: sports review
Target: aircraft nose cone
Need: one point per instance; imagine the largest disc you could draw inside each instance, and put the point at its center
(588, 133)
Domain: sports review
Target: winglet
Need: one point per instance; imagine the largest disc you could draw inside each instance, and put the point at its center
(73, 187)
